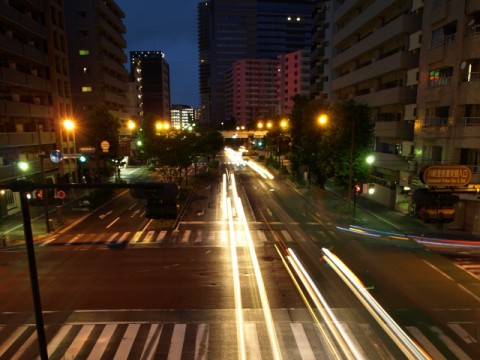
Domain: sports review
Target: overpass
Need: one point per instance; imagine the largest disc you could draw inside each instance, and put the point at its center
(243, 134)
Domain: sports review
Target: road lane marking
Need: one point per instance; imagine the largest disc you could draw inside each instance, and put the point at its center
(151, 343)
(78, 342)
(306, 352)
(4, 345)
(113, 222)
(251, 341)
(201, 342)
(176, 344)
(426, 344)
(127, 342)
(161, 236)
(102, 342)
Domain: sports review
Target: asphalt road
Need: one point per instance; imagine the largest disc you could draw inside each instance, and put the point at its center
(171, 292)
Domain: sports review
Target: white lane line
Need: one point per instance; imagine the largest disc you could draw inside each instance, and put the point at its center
(176, 344)
(303, 345)
(113, 222)
(127, 341)
(201, 342)
(102, 342)
(79, 341)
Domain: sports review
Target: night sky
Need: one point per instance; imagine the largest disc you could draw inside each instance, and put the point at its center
(169, 26)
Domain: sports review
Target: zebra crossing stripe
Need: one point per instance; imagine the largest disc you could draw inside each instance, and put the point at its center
(261, 235)
(426, 344)
(186, 236)
(127, 342)
(137, 236)
(58, 338)
(30, 341)
(286, 235)
(149, 236)
(77, 344)
(462, 333)
(450, 344)
(201, 343)
(303, 345)
(161, 236)
(251, 341)
(4, 345)
(75, 238)
(176, 345)
(124, 237)
(112, 237)
(198, 237)
(151, 343)
(102, 342)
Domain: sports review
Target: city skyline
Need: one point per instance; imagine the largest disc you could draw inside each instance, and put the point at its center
(170, 27)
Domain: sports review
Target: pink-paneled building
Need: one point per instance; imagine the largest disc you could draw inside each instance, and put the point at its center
(293, 79)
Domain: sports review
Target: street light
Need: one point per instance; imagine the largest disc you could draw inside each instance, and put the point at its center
(70, 127)
(322, 119)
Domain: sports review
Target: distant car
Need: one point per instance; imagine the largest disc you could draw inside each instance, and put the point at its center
(441, 214)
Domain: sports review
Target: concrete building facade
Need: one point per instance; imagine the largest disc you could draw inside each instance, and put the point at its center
(35, 96)
(96, 44)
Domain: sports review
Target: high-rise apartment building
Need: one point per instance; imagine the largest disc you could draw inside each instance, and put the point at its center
(151, 74)
(182, 117)
(35, 92)
(375, 59)
(293, 78)
(447, 121)
(231, 30)
(96, 44)
(251, 91)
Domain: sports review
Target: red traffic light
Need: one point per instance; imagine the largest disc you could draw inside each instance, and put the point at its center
(358, 188)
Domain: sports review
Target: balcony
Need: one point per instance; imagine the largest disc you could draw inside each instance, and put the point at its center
(112, 32)
(376, 8)
(18, 78)
(14, 108)
(394, 129)
(467, 129)
(11, 171)
(15, 47)
(397, 61)
(400, 25)
(27, 23)
(27, 139)
(388, 96)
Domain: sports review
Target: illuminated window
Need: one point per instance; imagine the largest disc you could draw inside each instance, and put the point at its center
(86, 89)
(83, 52)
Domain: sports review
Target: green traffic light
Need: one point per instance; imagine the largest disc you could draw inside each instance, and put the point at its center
(82, 158)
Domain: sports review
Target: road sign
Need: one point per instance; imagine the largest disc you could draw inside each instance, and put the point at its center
(56, 156)
(445, 175)
(105, 145)
(61, 194)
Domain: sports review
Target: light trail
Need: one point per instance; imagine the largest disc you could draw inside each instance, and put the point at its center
(343, 339)
(409, 348)
(242, 352)
(267, 312)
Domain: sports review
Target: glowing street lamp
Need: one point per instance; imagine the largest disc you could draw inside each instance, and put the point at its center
(322, 119)
(70, 127)
(22, 165)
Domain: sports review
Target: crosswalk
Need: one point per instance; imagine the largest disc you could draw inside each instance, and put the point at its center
(142, 340)
(180, 237)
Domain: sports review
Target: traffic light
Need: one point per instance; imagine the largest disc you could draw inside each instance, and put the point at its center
(358, 188)
(82, 158)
